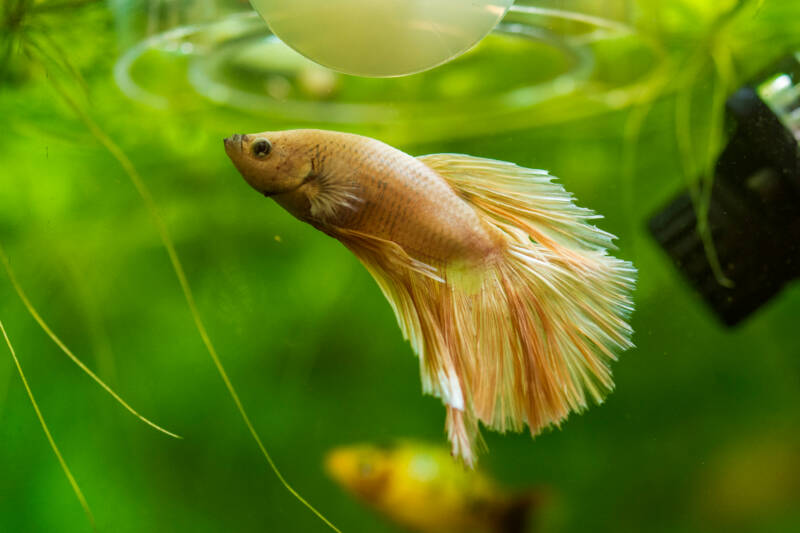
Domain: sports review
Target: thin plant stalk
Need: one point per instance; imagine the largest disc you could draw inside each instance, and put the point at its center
(75, 488)
(42, 324)
(166, 239)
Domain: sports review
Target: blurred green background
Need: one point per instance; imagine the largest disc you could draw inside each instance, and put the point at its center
(702, 433)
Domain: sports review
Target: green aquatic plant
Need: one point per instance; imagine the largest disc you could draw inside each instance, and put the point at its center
(63, 347)
(166, 240)
(710, 62)
(716, 48)
(30, 38)
(649, 108)
(27, 28)
(73, 483)
(25, 37)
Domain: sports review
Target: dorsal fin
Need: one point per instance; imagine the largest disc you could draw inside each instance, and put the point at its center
(513, 194)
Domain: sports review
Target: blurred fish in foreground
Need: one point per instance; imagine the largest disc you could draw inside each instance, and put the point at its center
(420, 487)
(503, 287)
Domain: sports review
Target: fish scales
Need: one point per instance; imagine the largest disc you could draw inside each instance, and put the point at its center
(393, 188)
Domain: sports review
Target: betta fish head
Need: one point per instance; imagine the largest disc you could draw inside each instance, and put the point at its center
(271, 162)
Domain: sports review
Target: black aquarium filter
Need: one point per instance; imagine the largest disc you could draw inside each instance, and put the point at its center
(753, 218)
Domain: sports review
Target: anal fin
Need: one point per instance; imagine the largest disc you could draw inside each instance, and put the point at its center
(413, 289)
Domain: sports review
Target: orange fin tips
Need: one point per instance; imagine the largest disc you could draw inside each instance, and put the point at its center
(463, 434)
(523, 339)
(540, 333)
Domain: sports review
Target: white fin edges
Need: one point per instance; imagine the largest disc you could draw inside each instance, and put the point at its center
(550, 316)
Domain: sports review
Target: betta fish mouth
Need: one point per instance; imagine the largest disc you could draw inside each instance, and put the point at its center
(235, 142)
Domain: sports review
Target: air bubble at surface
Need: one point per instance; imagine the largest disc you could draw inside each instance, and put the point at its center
(381, 38)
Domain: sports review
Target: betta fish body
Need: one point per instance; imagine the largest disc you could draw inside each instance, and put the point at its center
(503, 288)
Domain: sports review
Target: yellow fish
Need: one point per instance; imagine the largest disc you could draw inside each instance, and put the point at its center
(503, 287)
(420, 487)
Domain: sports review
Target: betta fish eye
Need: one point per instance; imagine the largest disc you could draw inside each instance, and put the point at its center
(261, 148)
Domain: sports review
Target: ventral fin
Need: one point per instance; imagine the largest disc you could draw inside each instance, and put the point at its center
(413, 289)
(390, 256)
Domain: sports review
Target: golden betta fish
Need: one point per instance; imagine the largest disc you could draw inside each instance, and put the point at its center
(420, 487)
(503, 287)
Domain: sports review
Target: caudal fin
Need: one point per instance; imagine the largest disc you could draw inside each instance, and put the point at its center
(527, 338)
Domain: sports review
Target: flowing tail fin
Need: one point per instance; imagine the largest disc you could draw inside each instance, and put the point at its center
(528, 338)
